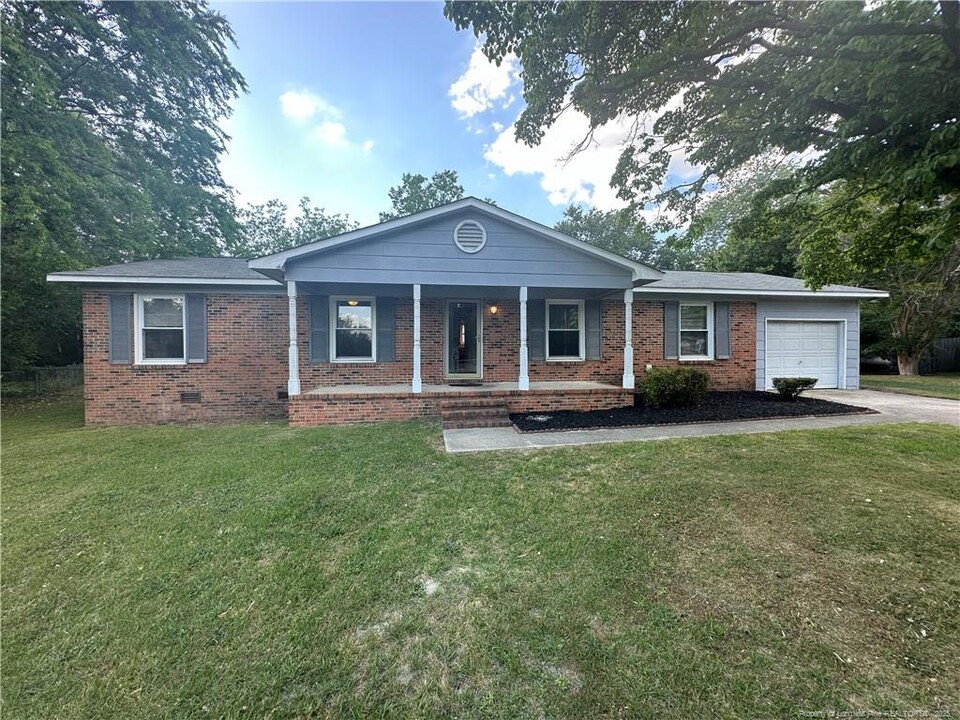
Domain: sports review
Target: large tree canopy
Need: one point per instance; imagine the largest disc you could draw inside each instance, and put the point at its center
(268, 228)
(110, 142)
(870, 92)
(417, 192)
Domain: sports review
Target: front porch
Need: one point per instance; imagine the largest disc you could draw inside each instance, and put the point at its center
(346, 404)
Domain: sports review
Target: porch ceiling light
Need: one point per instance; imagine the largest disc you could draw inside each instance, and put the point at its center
(353, 303)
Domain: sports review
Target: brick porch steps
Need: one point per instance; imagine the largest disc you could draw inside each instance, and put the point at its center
(475, 412)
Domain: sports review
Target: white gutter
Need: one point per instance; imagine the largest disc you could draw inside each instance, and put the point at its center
(138, 280)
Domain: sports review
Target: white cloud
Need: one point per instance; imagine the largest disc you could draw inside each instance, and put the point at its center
(322, 120)
(301, 105)
(484, 85)
(331, 134)
(584, 176)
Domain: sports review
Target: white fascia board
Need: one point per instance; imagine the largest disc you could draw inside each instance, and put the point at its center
(277, 260)
(819, 294)
(138, 280)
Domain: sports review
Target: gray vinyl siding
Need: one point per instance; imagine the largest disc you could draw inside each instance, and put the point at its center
(426, 254)
(812, 309)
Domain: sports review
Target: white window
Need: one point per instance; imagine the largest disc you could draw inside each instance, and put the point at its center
(565, 337)
(353, 338)
(160, 336)
(696, 331)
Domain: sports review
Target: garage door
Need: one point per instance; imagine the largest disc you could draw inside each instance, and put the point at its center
(796, 348)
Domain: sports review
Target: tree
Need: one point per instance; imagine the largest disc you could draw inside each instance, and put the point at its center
(617, 231)
(868, 92)
(623, 233)
(416, 193)
(266, 229)
(910, 249)
(733, 230)
(110, 142)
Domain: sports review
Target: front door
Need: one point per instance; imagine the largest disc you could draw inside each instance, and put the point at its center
(464, 350)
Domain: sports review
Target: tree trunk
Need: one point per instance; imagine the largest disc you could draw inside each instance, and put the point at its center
(908, 363)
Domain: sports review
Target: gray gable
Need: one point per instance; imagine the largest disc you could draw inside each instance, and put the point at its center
(426, 253)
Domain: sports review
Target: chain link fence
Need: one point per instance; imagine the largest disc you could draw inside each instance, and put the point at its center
(41, 381)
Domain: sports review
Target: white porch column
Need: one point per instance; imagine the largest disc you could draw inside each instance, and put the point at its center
(523, 382)
(416, 385)
(293, 358)
(628, 380)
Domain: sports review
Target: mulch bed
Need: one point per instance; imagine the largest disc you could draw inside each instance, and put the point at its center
(715, 407)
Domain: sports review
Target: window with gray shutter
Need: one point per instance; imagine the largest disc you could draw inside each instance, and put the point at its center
(386, 329)
(722, 339)
(536, 329)
(593, 322)
(196, 327)
(671, 329)
(319, 320)
(121, 328)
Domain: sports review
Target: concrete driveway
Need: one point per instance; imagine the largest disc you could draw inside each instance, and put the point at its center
(891, 408)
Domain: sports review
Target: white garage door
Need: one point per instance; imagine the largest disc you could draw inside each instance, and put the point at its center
(797, 348)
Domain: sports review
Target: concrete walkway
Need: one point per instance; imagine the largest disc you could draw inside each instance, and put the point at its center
(892, 408)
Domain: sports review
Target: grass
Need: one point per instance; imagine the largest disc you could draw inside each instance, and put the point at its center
(945, 385)
(261, 571)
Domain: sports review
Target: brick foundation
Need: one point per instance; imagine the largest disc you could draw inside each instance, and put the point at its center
(247, 365)
(344, 409)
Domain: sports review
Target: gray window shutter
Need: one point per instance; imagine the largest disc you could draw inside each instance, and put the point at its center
(537, 329)
(195, 322)
(386, 332)
(319, 320)
(593, 323)
(671, 329)
(121, 328)
(721, 330)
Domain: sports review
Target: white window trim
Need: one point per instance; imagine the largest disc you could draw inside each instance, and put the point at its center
(580, 330)
(333, 329)
(710, 341)
(139, 328)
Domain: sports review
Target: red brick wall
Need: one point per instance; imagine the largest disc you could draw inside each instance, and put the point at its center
(737, 373)
(246, 366)
(247, 360)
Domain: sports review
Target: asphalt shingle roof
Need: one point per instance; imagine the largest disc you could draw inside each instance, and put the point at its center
(207, 268)
(742, 282)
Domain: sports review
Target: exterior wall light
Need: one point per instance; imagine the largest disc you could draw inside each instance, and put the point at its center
(494, 309)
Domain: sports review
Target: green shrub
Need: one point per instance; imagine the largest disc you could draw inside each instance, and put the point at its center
(674, 387)
(790, 388)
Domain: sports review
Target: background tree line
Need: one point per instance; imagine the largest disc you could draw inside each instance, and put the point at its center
(827, 134)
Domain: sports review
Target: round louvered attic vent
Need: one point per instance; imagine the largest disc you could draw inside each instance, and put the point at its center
(470, 236)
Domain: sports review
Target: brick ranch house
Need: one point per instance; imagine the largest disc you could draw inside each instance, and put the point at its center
(466, 309)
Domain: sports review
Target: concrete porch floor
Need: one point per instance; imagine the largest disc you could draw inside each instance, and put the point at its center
(487, 387)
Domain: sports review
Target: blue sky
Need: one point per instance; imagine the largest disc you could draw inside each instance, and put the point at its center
(346, 97)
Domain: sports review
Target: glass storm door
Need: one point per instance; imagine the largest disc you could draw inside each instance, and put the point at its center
(463, 339)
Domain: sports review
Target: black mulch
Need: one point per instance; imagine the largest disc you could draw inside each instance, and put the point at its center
(715, 407)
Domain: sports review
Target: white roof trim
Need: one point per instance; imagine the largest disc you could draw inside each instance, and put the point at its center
(654, 290)
(140, 280)
(278, 260)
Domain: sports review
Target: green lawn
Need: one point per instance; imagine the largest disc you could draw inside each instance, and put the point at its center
(945, 385)
(258, 571)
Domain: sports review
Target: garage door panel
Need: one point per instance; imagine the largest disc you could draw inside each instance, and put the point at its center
(798, 348)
